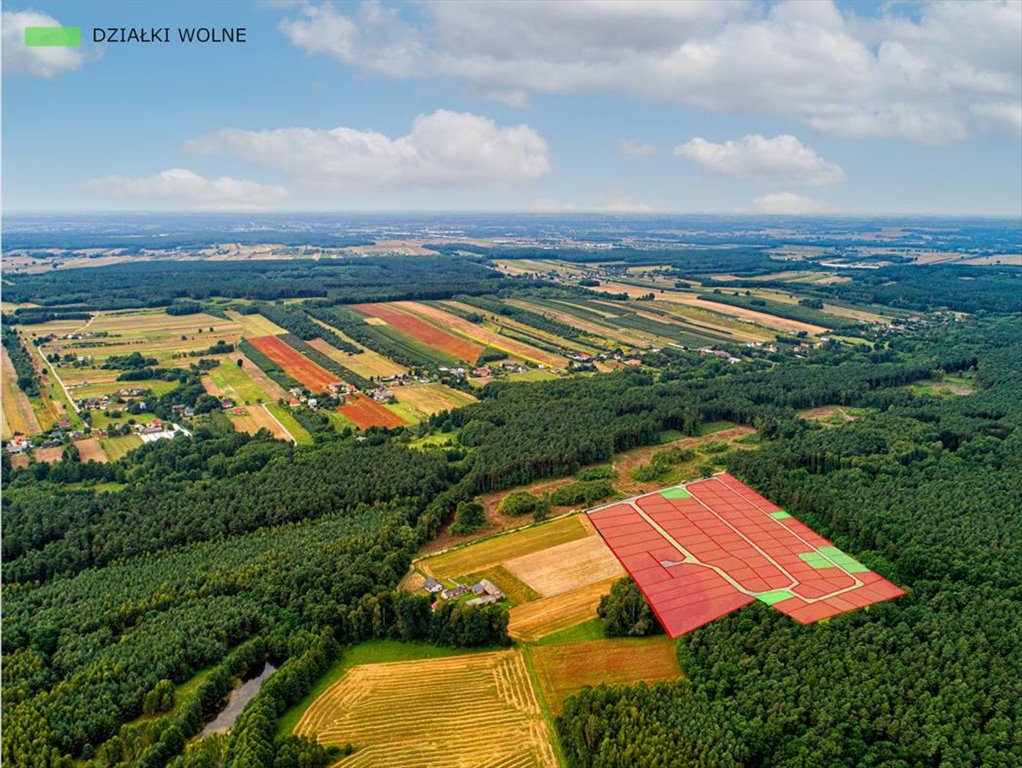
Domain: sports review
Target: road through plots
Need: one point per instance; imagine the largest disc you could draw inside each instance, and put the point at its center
(702, 550)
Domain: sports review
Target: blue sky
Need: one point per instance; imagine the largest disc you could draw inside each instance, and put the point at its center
(668, 107)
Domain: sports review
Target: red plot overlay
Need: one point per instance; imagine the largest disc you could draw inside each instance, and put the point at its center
(705, 549)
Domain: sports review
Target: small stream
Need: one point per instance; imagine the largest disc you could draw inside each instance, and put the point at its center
(239, 697)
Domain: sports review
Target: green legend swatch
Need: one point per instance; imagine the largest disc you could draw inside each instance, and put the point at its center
(50, 37)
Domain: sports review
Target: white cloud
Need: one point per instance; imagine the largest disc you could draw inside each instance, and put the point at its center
(788, 202)
(183, 187)
(635, 148)
(19, 59)
(782, 159)
(443, 149)
(1006, 118)
(376, 39)
(888, 77)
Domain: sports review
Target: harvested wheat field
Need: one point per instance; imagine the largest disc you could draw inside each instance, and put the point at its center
(567, 566)
(531, 621)
(564, 669)
(89, 449)
(473, 710)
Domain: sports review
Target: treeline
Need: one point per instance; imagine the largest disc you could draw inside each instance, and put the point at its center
(37, 315)
(684, 261)
(239, 486)
(21, 359)
(918, 491)
(166, 283)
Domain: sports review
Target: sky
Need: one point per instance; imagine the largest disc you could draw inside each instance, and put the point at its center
(666, 107)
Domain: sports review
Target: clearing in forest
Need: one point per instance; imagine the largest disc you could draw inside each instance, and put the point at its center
(471, 710)
(702, 550)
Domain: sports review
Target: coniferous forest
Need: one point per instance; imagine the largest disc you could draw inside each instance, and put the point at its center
(220, 552)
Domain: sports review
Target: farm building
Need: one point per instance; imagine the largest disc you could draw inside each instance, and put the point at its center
(453, 593)
(485, 600)
(487, 587)
(432, 585)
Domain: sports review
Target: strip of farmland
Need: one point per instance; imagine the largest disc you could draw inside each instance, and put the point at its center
(294, 364)
(365, 412)
(17, 410)
(484, 336)
(424, 332)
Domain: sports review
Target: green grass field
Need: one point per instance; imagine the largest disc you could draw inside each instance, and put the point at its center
(290, 423)
(230, 378)
(116, 447)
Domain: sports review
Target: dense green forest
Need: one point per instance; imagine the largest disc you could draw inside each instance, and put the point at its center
(219, 552)
(927, 491)
(159, 283)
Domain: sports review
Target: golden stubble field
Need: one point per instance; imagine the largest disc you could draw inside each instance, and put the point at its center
(472, 710)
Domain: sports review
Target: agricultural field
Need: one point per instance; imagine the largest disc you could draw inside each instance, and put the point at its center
(364, 412)
(565, 668)
(423, 400)
(565, 567)
(116, 447)
(256, 417)
(495, 550)
(469, 710)
(556, 573)
(368, 364)
(255, 325)
(423, 332)
(294, 363)
(48, 455)
(18, 416)
(151, 333)
(89, 449)
(483, 336)
(540, 618)
(246, 384)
